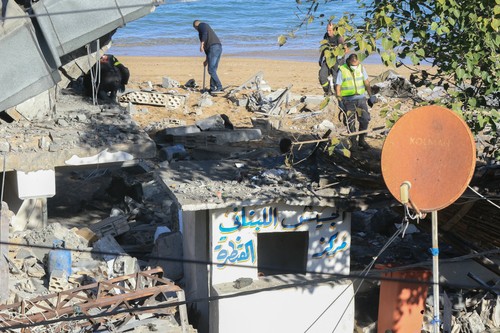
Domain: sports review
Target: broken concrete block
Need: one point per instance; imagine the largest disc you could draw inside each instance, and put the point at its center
(169, 83)
(108, 247)
(180, 130)
(23, 253)
(215, 122)
(242, 102)
(114, 226)
(176, 152)
(33, 268)
(125, 264)
(46, 236)
(87, 234)
(205, 101)
(474, 322)
(169, 245)
(313, 101)
(58, 281)
(326, 125)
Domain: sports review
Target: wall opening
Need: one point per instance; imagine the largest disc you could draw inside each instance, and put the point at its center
(282, 252)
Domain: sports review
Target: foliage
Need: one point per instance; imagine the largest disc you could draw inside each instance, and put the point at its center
(459, 39)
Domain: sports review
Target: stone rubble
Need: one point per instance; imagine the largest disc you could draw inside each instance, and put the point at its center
(132, 225)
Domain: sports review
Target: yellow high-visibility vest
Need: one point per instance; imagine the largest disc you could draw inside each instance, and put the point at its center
(352, 81)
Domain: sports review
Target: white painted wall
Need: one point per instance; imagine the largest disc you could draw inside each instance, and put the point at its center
(234, 238)
(229, 236)
(312, 309)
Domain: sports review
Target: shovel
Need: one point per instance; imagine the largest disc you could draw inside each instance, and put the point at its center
(204, 74)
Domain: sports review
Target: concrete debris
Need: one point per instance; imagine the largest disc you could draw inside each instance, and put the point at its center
(215, 122)
(128, 292)
(390, 84)
(170, 83)
(324, 126)
(205, 100)
(436, 93)
(170, 153)
(168, 245)
(170, 101)
(113, 226)
(141, 219)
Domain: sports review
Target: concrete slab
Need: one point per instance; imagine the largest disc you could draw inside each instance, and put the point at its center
(92, 135)
(199, 185)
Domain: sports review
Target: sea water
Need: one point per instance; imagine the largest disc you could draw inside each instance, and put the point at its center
(247, 28)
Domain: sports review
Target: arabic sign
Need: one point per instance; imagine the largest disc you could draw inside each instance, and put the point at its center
(234, 231)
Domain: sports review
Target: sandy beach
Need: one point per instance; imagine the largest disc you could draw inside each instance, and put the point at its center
(234, 71)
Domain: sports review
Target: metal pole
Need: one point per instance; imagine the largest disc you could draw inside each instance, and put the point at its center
(435, 271)
(204, 74)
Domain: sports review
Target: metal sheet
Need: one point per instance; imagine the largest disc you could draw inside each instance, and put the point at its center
(433, 149)
(28, 68)
(70, 24)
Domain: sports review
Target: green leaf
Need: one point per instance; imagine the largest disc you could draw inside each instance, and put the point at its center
(414, 59)
(482, 121)
(335, 141)
(495, 24)
(460, 72)
(281, 40)
(434, 26)
(324, 103)
(396, 34)
(420, 53)
(472, 102)
(346, 152)
(387, 44)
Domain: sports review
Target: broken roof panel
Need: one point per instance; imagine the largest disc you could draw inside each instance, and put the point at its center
(27, 70)
(89, 20)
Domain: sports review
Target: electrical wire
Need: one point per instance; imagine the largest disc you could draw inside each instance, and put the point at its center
(330, 277)
(482, 197)
(363, 275)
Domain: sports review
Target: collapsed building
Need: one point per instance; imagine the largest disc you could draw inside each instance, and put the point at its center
(213, 229)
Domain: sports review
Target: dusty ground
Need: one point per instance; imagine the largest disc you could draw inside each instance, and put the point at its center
(233, 72)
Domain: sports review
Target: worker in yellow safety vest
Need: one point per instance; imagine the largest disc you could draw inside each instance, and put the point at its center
(351, 87)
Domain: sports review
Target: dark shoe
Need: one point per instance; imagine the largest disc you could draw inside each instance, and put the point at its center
(216, 91)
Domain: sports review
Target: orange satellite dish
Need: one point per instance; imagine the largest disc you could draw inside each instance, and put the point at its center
(432, 148)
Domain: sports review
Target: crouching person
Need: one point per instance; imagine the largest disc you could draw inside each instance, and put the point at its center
(113, 77)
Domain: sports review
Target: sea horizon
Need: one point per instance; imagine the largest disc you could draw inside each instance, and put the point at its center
(246, 29)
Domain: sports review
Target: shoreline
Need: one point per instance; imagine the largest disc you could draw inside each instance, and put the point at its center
(181, 51)
(235, 71)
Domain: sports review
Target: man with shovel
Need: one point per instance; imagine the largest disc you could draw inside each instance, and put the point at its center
(211, 45)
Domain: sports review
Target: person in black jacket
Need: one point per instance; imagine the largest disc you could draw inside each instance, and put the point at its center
(211, 45)
(112, 78)
(331, 39)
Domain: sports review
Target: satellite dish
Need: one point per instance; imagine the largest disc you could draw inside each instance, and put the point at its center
(433, 149)
(428, 160)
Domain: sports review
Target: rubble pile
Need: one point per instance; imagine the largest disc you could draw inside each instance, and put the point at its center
(79, 262)
(127, 225)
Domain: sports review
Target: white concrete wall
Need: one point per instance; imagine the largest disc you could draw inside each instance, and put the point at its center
(234, 232)
(313, 309)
